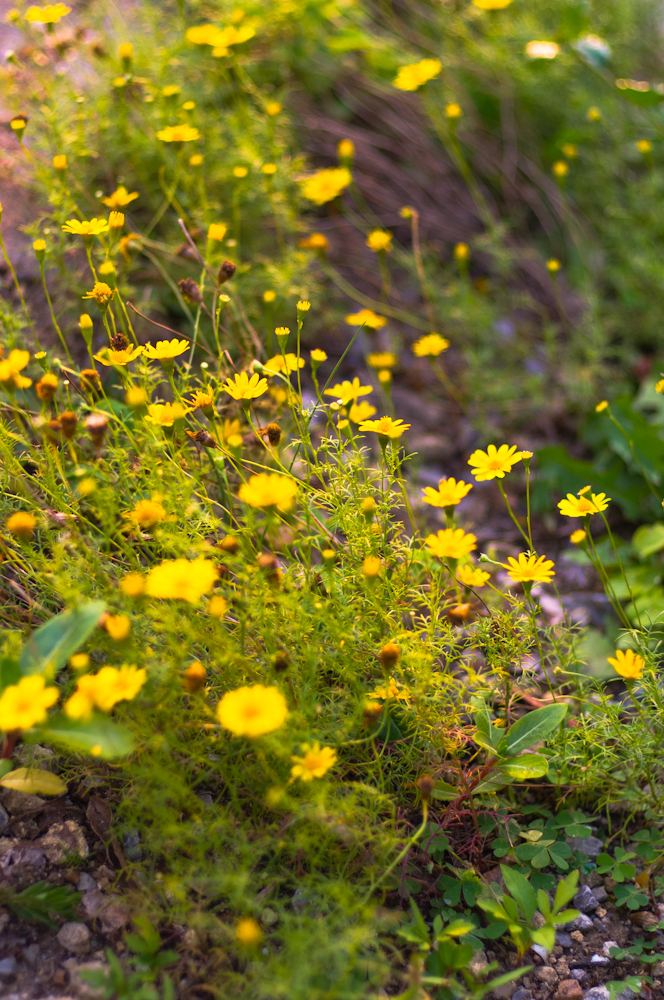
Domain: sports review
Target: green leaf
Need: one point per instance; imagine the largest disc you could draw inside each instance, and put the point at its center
(9, 672)
(642, 98)
(534, 727)
(34, 780)
(648, 539)
(5, 767)
(445, 792)
(546, 936)
(48, 649)
(543, 903)
(527, 765)
(100, 733)
(526, 852)
(459, 927)
(522, 891)
(565, 890)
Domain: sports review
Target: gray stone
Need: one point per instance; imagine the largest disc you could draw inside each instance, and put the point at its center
(85, 882)
(34, 755)
(540, 950)
(585, 900)
(4, 819)
(599, 960)
(563, 939)
(478, 963)
(596, 993)
(579, 974)
(626, 994)
(600, 894)
(590, 846)
(607, 946)
(300, 902)
(205, 798)
(19, 802)
(546, 974)
(582, 923)
(30, 953)
(74, 937)
(64, 840)
(522, 994)
(599, 925)
(131, 845)
(7, 968)
(503, 992)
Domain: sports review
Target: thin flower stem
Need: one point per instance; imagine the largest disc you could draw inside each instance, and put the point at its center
(512, 515)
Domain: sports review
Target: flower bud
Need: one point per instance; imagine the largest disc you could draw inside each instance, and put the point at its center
(371, 714)
(96, 425)
(60, 164)
(90, 381)
(229, 544)
(190, 291)
(389, 656)
(46, 387)
(369, 508)
(39, 247)
(273, 432)
(194, 677)
(426, 785)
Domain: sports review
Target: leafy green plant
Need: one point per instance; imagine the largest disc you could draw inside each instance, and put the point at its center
(40, 902)
(518, 905)
(630, 896)
(617, 868)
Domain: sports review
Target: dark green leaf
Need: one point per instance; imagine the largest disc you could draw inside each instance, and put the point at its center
(48, 649)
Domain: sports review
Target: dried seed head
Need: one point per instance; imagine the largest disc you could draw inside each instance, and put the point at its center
(194, 677)
(68, 421)
(90, 380)
(389, 656)
(119, 342)
(426, 785)
(96, 425)
(280, 662)
(191, 291)
(267, 562)
(273, 432)
(226, 271)
(53, 429)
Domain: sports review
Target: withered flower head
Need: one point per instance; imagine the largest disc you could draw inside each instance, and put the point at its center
(226, 271)
(96, 425)
(190, 291)
(389, 655)
(68, 421)
(273, 432)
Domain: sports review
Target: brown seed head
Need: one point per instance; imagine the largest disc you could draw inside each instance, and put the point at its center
(191, 291)
(96, 425)
(388, 656)
(90, 380)
(426, 785)
(273, 432)
(280, 662)
(226, 271)
(68, 421)
(119, 342)
(194, 676)
(229, 544)
(53, 429)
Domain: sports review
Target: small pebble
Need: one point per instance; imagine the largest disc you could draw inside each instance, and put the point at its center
(7, 967)
(577, 936)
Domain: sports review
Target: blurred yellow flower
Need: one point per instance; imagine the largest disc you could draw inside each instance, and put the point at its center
(578, 536)
(273, 108)
(317, 356)
(593, 114)
(471, 577)
(348, 392)
(181, 579)
(368, 318)
(120, 197)
(315, 763)
(449, 493)
(345, 149)
(165, 414)
(570, 150)
(361, 411)
(269, 169)
(382, 360)
(252, 711)
(218, 607)
(379, 240)
(284, 363)
(314, 242)
(60, 162)
(372, 567)
(248, 932)
(453, 110)
(430, 346)
(22, 524)
(412, 77)
(50, 14)
(492, 4)
(25, 704)
(560, 168)
(325, 185)
(217, 231)
(494, 462)
(451, 543)
(132, 584)
(178, 133)
(243, 387)
(644, 146)
(392, 690)
(269, 489)
(628, 664)
(240, 171)
(147, 513)
(117, 626)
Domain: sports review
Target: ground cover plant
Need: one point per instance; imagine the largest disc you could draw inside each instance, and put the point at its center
(323, 731)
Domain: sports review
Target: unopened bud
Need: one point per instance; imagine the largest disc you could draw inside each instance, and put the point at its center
(194, 676)
(371, 713)
(229, 544)
(96, 425)
(369, 508)
(90, 381)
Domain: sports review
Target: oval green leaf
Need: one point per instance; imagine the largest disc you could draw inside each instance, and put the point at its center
(48, 649)
(528, 765)
(534, 727)
(100, 737)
